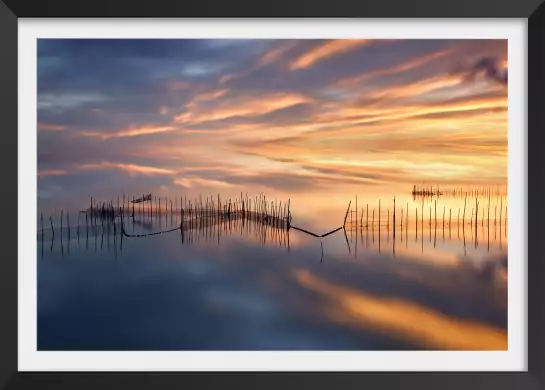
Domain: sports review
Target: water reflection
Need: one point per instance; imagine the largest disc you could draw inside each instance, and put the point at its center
(241, 284)
(396, 317)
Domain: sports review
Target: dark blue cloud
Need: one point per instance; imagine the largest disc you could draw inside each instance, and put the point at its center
(324, 73)
(296, 114)
(128, 79)
(79, 64)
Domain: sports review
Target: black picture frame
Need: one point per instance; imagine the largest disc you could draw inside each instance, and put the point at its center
(531, 10)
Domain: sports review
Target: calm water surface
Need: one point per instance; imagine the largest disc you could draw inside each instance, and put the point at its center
(242, 285)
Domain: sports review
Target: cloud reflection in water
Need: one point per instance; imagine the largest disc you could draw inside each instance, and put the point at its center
(246, 293)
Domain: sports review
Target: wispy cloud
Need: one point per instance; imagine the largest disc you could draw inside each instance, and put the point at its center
(240, 106)
(198, 182)
(131, 169)
(131, 132)
(51, 172)
(410, 64)
(327, 50)
(50, 127)
(277, 52)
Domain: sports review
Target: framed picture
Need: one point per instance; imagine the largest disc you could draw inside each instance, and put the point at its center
(299, 200)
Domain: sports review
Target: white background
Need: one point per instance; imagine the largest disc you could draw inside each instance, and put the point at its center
(515, 30)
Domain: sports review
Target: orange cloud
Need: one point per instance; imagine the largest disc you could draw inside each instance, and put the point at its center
(50, 127)
(51, 172)
(381, 113)
(247, 106)
(198, 182)
(415, 89)
(131, 169)
(130, 132)
(368, 156)
(225, 78)
(276, 53)
(206, 97)
(403, 67)
(211, 95)
(329, 49)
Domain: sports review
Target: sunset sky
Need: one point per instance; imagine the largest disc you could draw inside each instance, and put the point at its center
(299, 118)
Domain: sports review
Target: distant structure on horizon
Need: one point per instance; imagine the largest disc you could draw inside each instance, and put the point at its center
(425, 191)
(484, 191)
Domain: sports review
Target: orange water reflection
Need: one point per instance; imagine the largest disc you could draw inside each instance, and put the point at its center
(402, 319)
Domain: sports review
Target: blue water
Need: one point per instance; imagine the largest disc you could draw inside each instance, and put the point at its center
(246, 287)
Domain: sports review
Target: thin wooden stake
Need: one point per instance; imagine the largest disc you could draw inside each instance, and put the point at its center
(394, 219)
(346, 215)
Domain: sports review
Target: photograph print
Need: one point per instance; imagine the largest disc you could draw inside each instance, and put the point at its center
(260, 194)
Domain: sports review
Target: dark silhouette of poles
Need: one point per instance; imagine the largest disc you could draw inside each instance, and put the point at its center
(449, 223)
(394, 220)
(434, 234)
(422, 228)
(42, 223)
(346, 215)
(501, 209)
(356, 214)
(435, 212)
(77, 230)
(476, 218)
(458, 220)
(495, 214)
(379, 225)
(388, 222)
(464, 216)
(505, 228)
(488, 223)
